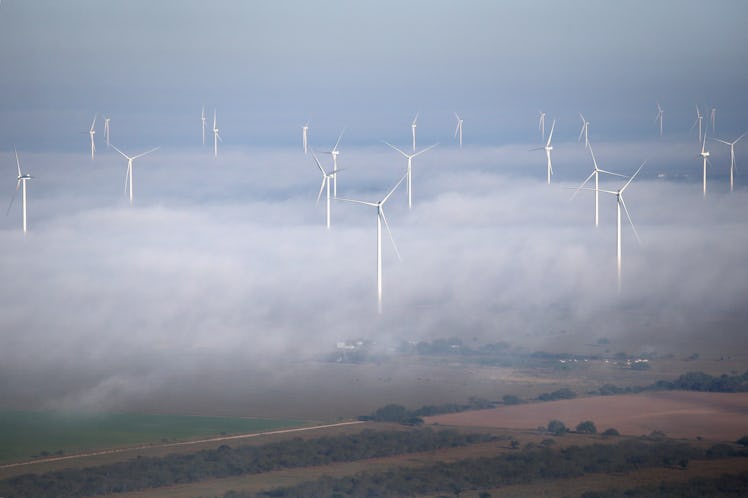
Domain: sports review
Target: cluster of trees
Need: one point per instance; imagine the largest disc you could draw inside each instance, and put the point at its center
(521, 467)
(724, 486)
(400, 414)
(691, 381)
(143, 473)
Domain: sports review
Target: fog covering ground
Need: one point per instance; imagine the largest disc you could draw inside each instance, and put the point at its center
(222, 283)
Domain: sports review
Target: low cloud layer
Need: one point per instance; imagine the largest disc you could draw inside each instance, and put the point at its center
(228, 261)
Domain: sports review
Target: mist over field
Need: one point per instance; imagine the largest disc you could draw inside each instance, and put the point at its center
(223, 273)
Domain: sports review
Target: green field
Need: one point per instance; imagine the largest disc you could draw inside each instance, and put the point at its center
(25, 435)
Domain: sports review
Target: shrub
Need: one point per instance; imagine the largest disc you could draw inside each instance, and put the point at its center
(556, 427)
(611, 432)
(587, 427)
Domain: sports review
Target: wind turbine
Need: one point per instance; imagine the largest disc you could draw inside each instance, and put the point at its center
(91, 133)
(216, 136)
(381, 218)
(22, 179)
(621, 203)
(596, 173)
(732, 154)
(304, 132)
(541, 126)
(334, 153)
(413, 131)
(408, 173)
(325, 183)
(699, 118)
(704, 154)
(660, 113)
(128, 176)
(548, 148)
(106, 129)
(202, 116)
(458, 130)
(584, 131)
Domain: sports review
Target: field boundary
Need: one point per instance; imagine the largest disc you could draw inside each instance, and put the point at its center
(174, 444)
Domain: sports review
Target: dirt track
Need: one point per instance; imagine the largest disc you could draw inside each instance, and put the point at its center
(713, 416)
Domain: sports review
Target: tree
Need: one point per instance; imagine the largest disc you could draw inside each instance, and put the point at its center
(587, 427)
(556, 427)
(611, 432)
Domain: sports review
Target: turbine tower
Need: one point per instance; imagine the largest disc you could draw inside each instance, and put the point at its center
(699, 118)
(106, 130)
(458, 130)
(408, 173)
(548, 148)
(304, 134)
(584, 132)
(541, 126)
(22, 179)
(381, 218)
(732, 154)
(704, 154)
(596, 173)
(128, 176)
(334, 153)
(203, 118)
(216, 136)
(660, 113)
(325, 183)
(413, 131)
(621, 203)
(91, 133)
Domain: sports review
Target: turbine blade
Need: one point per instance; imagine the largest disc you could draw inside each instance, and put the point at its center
(18, 162)
(387, 226)
(127, 177)
(321, 188)
(393, 189)
(219, 137)
(551, 134)
(356, 201)
(415, 119)
(625, 209)
(339, 138)
(611, 173)
(582, 185)
(720, 140)
(123, 154)
(400, 151)
(318, 163)
(93, 123)
(13, 197)
(147, 152)
(424, 150)
(536, 148)
(634, 176)
(740, 138)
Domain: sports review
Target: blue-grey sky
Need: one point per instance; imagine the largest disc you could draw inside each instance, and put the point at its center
(270, 66)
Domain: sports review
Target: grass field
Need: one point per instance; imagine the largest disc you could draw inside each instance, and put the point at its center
(25, 435)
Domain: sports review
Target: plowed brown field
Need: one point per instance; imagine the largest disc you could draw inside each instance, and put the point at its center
(679, 414)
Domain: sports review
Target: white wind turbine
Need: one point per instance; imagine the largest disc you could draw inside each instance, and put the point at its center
(325, 183)
(413, 131)
(128, 176)
(408, 173)
(699, 118)
(22, 179)
(584, 132)
(458, 130)
(704, 154)
(216, 136)
(621, 203)
(541, 126)
(380, 218)
(596, 173)
(91, 133)
(732, 154)
(304, 135)
(203, 118)
(659, 116)
(334, 153)
(106, 129)
(548, 148)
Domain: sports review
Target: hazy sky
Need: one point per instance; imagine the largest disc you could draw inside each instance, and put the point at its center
(270, 66)
(229, 257)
